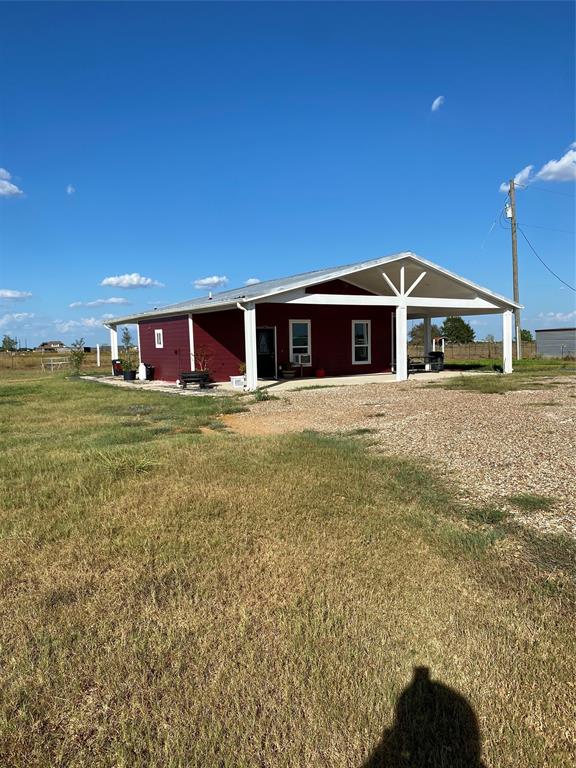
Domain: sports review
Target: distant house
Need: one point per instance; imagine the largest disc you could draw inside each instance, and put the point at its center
(556, 342)
(52, 346)
(344, 320)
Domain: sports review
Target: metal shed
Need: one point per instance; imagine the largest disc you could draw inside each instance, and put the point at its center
(556, 342)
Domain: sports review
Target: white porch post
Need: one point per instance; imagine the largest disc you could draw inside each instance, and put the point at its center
(250, 345)
(114, 342)
(401, 342)
(191, 340)
(507, 341)
(427, 335)
(138, 342)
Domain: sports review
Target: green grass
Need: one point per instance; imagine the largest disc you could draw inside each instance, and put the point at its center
(488, 515)
(262, 395)
(188, 599)
(528, 374)
(316, 386)
(531, 502)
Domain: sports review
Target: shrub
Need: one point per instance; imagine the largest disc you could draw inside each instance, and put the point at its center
(77, 356)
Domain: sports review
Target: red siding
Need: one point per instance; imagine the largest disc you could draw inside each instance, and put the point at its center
(338, 287)
(331, 328)
(219, 337)
(174, 357)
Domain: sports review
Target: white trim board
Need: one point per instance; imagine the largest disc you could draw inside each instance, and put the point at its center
(332, 299)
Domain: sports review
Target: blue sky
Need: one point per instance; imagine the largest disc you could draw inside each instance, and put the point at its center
(182, 141)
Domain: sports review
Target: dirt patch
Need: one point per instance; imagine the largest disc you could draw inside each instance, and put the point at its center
(258, 425)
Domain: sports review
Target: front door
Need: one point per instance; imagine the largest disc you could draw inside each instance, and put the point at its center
(266, 352)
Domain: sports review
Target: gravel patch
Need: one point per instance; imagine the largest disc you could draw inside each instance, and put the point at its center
(489, 447)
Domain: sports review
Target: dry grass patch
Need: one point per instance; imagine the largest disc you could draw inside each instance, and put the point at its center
(257, 602)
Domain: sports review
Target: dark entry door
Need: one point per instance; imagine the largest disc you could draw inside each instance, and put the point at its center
(266, 352)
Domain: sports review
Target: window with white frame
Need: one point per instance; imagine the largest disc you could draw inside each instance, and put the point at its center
(159, 338)
(361, 343)
(300, 342)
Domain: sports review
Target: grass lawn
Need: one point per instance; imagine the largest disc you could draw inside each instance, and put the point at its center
(171, 597)
(528, 374)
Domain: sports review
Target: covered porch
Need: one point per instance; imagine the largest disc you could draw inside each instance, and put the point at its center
(414, 289)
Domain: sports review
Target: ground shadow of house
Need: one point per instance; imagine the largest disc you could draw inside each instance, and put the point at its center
(434, 727)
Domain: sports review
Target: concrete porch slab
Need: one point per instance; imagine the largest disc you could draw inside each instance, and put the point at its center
(286, 385)
(281, 385)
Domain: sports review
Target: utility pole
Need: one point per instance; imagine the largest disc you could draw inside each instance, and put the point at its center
(515, 268)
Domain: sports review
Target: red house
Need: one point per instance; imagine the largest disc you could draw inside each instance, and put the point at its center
(344, 320)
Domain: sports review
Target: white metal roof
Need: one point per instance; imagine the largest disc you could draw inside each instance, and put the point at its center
(265, 289)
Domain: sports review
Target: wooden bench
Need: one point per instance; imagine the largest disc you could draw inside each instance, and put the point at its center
(416, 364)
(431, 362)
(194, 377)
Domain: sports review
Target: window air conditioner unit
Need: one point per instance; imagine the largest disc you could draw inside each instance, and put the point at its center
(300, 359)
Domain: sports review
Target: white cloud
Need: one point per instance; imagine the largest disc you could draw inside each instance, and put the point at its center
(522, 179)
(8, 294)
(99, 302)
(7, 188)
(437, 103)
(560, 170)
(133, 280)
(14, 317)
(70, 190)
(64, 326)
(252, 281)
(557, 317)
(554, 170)
(214, 281)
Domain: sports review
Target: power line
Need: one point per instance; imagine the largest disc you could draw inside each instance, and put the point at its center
(552, 229)
(549, 191)
(535, 226)
(499, 213)
(500, 220)
(544, 263)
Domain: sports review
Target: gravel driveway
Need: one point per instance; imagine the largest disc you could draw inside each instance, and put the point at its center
(490, 445)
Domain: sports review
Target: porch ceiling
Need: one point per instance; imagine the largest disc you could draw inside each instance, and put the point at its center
(434, 284)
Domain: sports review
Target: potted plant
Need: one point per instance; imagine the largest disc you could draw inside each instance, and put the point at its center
(128, 358)
(288, 370)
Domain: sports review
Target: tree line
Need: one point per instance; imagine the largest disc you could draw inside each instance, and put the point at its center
(456, 331)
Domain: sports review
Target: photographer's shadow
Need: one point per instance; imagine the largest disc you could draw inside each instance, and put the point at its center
(434, 727)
